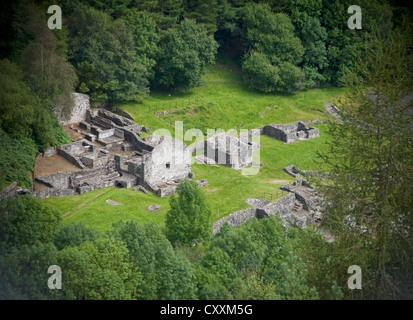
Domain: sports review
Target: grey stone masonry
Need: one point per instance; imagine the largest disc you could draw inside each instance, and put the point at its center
(292, 132)
(110, 152)
(81, 104)
(228, 150)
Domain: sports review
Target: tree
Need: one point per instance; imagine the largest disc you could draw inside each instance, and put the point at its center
(344, 45)
(166, 13)
(143, 29)
(165, 274)
(17, 105)
(271, 64)
(47, 72)
(25, 220)
(315, 59)
(301, 11)
(184, 52)
(260, 72)
(189, 218)
(17, 158)
(368, 196)
(272, 34)
(23, 272)
(99, 270)
(204, 12)
(103, 53)
(74, 234)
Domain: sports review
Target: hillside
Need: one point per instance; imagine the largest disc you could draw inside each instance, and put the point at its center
(233, 106)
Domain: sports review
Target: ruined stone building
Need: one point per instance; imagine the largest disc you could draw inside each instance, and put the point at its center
(109, 150)
(292, 132)
(226, 149)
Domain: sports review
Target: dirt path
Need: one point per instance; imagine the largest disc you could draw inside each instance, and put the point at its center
(88, 201)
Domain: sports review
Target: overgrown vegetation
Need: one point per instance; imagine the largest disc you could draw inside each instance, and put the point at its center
(127, 51)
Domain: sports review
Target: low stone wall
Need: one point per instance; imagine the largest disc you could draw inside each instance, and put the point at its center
(282, 206)
(72, 159)
(235, 219)
(52, 192)
(58, 180)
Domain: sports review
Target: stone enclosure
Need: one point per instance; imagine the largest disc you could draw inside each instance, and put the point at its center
(109, 151)
(301, 207)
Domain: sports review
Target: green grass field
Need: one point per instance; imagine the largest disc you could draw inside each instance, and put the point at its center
(233, 106)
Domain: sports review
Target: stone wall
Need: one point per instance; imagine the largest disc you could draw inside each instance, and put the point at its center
(81, 105)
(58, 180)
(170, 160)
(292, 132)
(52, 192)
(283, 208)
(235, 219)
(228, 150)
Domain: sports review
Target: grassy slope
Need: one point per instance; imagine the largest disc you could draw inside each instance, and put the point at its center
(236, 106)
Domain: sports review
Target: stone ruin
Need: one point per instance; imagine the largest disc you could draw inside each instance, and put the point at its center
(289, 133)
(226, 149)
(237, 152)
(109, 151)
(300, 207)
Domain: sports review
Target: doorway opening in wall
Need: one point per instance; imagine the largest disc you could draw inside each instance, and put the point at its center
(168, 165)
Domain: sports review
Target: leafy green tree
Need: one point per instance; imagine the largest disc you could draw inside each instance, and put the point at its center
(17, 158)
(101, 270)
(115, 8)
(23, 272)
(243, 258)
(271, 65)
(204, 12)
(165, 274)
(260, 72)
(301, 11)
(294, 286)
(344, 45)
(25, 220)
(272, 34)
(184, 52)
(189, 218)
(47, 72)
(143, 29)
(315, 59)
(166, 13)
(74, 234)
(103, 53)
(17, 105)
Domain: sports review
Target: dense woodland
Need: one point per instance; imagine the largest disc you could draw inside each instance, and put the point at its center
(124, 50)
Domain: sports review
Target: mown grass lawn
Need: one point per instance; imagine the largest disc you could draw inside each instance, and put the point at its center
(237, 107)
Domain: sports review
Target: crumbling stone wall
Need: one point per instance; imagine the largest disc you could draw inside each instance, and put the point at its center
(170, 160)
(228, 150)
(292, 132)
(80, 107)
